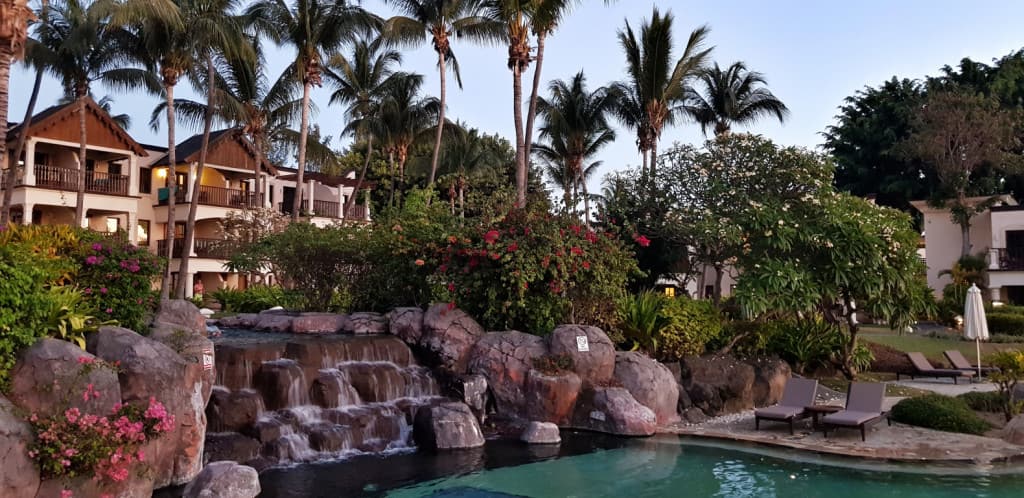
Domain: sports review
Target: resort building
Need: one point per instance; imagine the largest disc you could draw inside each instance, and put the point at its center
(125, 187)
(997, 233)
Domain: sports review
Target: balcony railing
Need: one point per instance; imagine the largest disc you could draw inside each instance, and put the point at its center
(328, 209)
(1010, 258)
(96, 182)
(204, 248)
(216, 196)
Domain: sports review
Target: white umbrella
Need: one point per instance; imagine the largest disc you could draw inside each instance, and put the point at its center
(975, 325)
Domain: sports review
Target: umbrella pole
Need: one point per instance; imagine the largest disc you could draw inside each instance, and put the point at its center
(977, 345)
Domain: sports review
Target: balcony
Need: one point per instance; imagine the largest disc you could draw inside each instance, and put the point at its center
(204, 248)
(328, 209)
(96, 182)
(1010, 259)
(216, 196)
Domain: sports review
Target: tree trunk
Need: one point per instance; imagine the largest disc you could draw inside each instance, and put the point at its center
(440, 123)
(6, 58)
(531, 114)
(654, 160)
(849, 370)
(391, 166)
(303, 136)
(517, 115)
(82, 150)
(12, 169)
(260, 194)
(190, 224)
(717, 292)
(965, 239)
(462, 200)
(643, 169)
(172, 192)
(359, 182)
(586, 200)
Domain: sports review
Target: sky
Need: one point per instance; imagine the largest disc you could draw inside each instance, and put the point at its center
(813, 53)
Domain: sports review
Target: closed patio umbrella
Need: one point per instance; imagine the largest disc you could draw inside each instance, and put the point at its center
(975, 325)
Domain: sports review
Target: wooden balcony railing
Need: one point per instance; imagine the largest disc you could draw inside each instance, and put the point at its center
(204, 248)
(216, 196)
(1011, 258)
(328, 209)
(67, 179)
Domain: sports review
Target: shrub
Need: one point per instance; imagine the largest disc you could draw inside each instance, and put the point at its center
(984, 401)
(1011, 372)
(935, 411)
(641, 320)
(553, 364)
(256, 298)
(24, 305)
(807, 344)
(691, 325)
(1005, 323)
(116, 279)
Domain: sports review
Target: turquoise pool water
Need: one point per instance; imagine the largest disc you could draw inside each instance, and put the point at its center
(666, 467)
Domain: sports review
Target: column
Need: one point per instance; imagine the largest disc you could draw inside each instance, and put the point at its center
(341, 201)
(993, 259)
(310, 189)
(29, 172)
(26, 213)
(191, 181)
(366, 203)
(133, 232)
(267, 189)
(995, 294)
(133, 175)
(189, 277)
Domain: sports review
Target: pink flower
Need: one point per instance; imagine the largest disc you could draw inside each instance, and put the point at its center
(420, 262)
(92, 260)
(66, 493)
(97, 247)
(72, 415)
(640, 239)
(110, 310)
(103, 290)
(513, 247)
(85, 360)
(491, 237)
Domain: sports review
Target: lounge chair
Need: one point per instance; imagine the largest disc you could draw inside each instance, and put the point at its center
(956, 358)
(796, 397)
(863, 407)
(924, 369)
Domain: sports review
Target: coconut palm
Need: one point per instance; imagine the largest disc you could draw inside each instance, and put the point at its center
(14, 18)
(735, 96)
(361, 80)
(576, 127)
(464, 158)
(440, 21)
(37, 58)
(86, 47)
(107, 104)
(654, 95)
(313, 28)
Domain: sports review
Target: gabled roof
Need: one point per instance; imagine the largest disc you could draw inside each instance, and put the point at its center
(188, 151)
(50, 117)
(330, 180)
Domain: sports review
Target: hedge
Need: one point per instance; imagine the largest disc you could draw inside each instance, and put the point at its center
(935, 411)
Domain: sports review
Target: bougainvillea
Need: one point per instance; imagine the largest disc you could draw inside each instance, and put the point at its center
(116, 279)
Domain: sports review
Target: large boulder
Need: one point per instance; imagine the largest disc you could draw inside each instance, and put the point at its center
(54, 375)
(239, 321)
(718, 385)
(224, 480)
(650, 383)
(318, 323)
(551, 397)
(770, 377)
(331, 389)
(613, 410)
(406, 324)
(541, 433)
(448, 336)
(366, 323)
(1013, 431)
(233, 411)
(274, 322)
(20, 477)
(177, 315)
(596, 365)
(472, 390)
(447, 426)
(139, 485)
(505, 358)
(282, 384)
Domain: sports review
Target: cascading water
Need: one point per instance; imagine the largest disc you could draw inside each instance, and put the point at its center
(323, 397)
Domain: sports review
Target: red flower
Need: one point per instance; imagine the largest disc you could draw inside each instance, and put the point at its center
(586, 265)
(576, 251)
(545, 262)
(591, 237)
(491, 237)
(451, 287)
(495, 256)
(575, 229)
(513, 247)
(640, 239)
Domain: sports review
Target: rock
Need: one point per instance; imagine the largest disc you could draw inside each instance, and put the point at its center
(366, 323)
(20, 476)
(504, 358)
(274, 322)
(1013, 431)
(282, 384)
(684, 399)
(178, 314)
(770, 377)
(239, 321)
(199, 378)
(224, 480)
(318, 323)
(233, 411)
(650, 383)
(472, 390)
(594, 366)
(448, 336)
(447, 426)
(138, 486)
(718, 385)
(207, 312)
(406, 324)
(694, 416)
(551, 398)
(230, 446)
(541, 433)
(613, 410)
(50, 377)
(330, 389)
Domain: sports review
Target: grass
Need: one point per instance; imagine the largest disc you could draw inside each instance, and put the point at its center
(931, 347)
(840, 384)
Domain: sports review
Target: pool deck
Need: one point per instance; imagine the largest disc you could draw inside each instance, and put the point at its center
(898, 443)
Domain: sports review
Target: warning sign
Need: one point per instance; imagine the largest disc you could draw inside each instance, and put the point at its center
(582, 344)
(207, 359)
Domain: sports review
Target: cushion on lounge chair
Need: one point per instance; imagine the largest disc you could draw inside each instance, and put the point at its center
(865, 397)
(799, 392)
(779, 412)
(922, 365)
(959, 362)
(850, 418)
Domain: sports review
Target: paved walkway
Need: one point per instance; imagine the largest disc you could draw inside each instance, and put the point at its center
(946, 386)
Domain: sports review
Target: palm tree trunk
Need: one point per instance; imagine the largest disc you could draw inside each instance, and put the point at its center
(586, 199)
(260, 194)
(462, 201)
(303, 136)
(359, 182)
(82, 149)
(440, 123)
(12, 169)
(190, 224)
(6, 58)
(171, 185)
(532, 112)
(517, 114)
(654, 159)
(643, 170)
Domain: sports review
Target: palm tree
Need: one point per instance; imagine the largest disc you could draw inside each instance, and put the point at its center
(87, 47)
(36, 57)
(361, 81)
(736, 96)
(439, 21)
(464, 158)
(575, 127)
(107, 104)
(312, 28)
(654, 95)
(14, 18)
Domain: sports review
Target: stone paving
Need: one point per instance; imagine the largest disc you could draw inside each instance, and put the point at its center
(947, 387)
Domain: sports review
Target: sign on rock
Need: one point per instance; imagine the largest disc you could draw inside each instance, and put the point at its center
(207, 359)
(582, 344)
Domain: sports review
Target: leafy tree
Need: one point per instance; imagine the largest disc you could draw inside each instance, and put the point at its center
(735, 96)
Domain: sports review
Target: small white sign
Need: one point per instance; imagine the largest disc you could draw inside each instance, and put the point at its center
(207, 359)
(596, 415)
(582, 344)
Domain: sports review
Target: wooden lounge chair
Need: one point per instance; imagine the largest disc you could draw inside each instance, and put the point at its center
(796, 397)
(863, 407)
(924, 369)
(956, 358)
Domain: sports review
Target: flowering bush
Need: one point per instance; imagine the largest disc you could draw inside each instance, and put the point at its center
(116, 279)
(532, 271)
(73, 443)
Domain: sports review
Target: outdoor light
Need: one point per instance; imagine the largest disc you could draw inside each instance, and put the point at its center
(161, 173)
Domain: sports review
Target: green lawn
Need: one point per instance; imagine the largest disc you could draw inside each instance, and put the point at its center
(930, 346)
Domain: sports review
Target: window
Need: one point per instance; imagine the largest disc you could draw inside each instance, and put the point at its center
(145, 181)
(113, 224)
(142, 232)
(709, 291)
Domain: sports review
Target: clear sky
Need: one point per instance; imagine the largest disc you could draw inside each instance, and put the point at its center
(814, 53)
